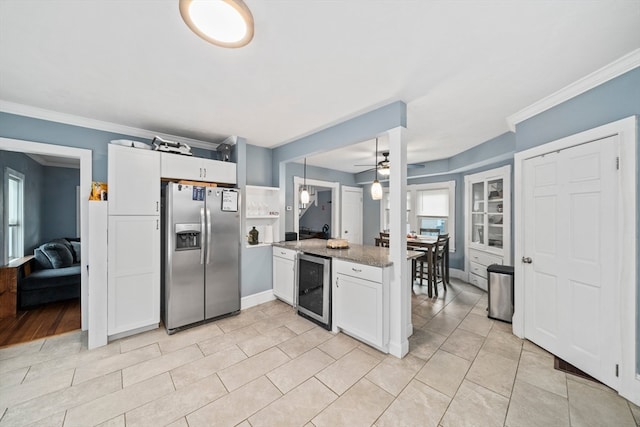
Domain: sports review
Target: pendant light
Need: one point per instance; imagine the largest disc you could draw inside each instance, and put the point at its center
(376, 188)
(304, 195)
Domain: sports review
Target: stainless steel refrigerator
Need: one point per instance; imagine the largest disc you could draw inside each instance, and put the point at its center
(201, 248)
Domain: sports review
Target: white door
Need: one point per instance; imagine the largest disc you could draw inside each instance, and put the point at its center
(351, 220)
(570, 281)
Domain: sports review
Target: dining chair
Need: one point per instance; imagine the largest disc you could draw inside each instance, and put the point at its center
(383, 240)
(441, 262)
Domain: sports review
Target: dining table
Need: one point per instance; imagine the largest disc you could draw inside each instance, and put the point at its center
(427, 244)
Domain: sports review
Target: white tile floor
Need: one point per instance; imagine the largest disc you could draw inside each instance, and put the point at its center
(269, 367)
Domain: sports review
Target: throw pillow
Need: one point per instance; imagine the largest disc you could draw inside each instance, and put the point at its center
(42, 259)
(76, 251)
(58, 253)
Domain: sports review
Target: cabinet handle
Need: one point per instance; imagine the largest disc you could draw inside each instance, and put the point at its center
(282, 253)
(157, 206)
(200, 172)
(357, 270)
(205, 172)
(337, 282)
(157, 224)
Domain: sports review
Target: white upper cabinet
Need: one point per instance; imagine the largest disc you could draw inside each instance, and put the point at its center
(176, 166)
(134, 181)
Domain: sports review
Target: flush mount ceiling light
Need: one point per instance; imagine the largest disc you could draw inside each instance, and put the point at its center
(226, 23)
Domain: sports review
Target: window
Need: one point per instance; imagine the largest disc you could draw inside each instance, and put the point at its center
(432, 210)
(14, 216)
(428, 206)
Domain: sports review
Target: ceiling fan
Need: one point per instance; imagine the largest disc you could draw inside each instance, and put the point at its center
(384, 165)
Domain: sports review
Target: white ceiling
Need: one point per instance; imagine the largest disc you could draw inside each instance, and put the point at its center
(462, 67)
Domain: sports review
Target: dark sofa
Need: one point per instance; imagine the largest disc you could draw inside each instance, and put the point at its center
(55, 274)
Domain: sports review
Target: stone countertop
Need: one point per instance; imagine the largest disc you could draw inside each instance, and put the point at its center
(362, 254)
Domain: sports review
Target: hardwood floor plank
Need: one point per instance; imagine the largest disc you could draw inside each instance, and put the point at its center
(47, 320)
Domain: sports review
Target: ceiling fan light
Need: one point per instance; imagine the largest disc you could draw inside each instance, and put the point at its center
(225, 23)
(384, 171)
(376, 190)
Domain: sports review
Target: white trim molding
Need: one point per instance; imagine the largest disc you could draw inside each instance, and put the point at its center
(625, 131)
(256, 299)
(85, 122)
(335, 203)
(85, 158)
(603, 75)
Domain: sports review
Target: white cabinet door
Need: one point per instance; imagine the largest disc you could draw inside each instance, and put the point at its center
(133, 273)
(284, 269)
(358, 308)
(176, 166)
(218, 171)
(134, 181)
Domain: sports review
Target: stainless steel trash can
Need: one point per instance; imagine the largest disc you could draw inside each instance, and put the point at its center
(500, 292)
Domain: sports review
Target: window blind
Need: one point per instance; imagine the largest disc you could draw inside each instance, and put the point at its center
(433, 202)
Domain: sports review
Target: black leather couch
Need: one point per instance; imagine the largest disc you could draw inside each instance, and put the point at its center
(55, 274)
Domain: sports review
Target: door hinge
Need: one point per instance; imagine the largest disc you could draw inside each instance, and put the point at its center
(617, 163)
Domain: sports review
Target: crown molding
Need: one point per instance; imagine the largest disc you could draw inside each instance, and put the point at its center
(603, 75)
(48, 161)
(73, 120)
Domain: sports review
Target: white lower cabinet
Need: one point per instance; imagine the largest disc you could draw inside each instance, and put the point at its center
(478, 263)
(284, 274)
(133, 273)
(361, 302)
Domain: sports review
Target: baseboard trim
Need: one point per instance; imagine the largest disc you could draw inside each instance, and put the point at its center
(458, 274)
(133, 332)
(256, 299)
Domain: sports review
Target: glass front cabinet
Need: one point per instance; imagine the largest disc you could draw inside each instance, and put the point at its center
(488, 222)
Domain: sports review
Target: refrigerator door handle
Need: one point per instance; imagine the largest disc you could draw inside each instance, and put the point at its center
(201, 228)
(208, 235)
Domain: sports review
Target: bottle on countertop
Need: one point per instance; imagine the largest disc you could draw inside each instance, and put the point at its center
(253, 236)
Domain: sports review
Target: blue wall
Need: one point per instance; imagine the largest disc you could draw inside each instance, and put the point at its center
(33, 188)
(318, 214)
(259, 166)
(360, 128)
(58, 213)
(36, 130)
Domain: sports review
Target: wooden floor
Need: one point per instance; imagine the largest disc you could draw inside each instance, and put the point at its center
(47, 320)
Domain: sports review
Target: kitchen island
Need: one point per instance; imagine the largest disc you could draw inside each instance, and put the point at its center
(361, 292)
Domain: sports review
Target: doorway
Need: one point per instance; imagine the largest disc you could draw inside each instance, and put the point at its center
(351, 226)
(331, 190)
(575, 278)
(85, 158)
